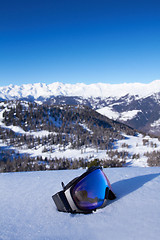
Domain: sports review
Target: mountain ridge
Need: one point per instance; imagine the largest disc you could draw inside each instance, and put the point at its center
(134, 104)
(102, 90)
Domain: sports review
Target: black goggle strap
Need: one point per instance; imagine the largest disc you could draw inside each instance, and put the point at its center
(111, 195)
(61, 202)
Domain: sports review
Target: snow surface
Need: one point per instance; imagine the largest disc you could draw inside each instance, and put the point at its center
(123, 116)
(29, 213)
(136, 146)
(156, 123)
(108, 112)
(79, 89)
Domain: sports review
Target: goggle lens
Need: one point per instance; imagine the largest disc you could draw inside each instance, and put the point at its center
(89, 193)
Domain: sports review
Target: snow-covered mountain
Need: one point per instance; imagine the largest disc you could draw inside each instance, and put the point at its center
(103, 90)
(135, 104)
(142, 113)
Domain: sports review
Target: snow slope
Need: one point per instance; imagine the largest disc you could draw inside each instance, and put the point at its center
(124, 116)
(28, 211)
(102, 90)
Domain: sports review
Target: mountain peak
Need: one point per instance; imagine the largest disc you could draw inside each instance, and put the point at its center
(102, 90)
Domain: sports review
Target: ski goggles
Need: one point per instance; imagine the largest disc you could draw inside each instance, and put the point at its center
(85, 193)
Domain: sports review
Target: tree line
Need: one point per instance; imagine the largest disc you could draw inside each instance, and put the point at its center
(27, 163)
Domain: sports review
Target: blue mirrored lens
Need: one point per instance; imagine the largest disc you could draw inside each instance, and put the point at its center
(89, 193)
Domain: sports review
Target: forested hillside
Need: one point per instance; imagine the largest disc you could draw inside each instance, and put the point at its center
(65, 126)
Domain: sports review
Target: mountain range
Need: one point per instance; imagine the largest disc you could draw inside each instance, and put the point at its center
(135, 104)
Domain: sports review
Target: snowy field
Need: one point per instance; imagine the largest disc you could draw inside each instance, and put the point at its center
(28, 211)
(135, 146)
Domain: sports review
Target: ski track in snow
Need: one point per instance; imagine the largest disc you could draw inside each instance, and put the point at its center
(29, 213)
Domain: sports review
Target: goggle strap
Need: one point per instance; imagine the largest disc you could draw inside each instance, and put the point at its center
(111, 195)
(65, 187)
(61, 202)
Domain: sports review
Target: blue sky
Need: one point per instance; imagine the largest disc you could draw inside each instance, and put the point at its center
(110, 41)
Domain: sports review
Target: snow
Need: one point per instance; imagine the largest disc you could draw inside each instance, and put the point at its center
(108, 112)
(89, 153)
(42, 133)
(79, 89)
(136, 146)
(156, 123)
(29, 213)
(123, 116)
(86, 128)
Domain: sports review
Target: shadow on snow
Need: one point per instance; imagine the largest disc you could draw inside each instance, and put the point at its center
(127, 186)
